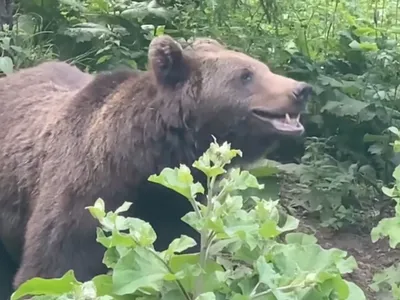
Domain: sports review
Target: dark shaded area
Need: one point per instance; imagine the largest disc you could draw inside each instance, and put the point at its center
(6, 13)
(7, 271)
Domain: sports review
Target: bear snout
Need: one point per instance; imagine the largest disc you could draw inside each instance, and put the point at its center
(302, 92)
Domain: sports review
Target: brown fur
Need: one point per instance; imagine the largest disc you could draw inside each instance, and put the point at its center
(55, 77)
(67, 142)
(19, 86)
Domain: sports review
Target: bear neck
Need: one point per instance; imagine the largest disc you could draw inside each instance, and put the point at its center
(133, 126)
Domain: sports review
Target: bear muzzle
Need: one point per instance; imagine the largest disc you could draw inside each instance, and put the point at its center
(287, 120)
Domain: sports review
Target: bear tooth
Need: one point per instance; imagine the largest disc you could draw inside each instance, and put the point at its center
(287, 118)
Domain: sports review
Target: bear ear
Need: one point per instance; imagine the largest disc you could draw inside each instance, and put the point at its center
(167, 61)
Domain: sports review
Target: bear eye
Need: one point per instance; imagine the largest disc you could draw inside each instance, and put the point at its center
(246, 76)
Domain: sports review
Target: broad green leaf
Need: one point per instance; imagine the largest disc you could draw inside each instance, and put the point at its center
(103, 284)
(242, 231)
(174, 294)
(240, 297)
(396, 173)
(355, 45)
(326, 80)
(73, 4)
(365, 46)
(389, 227)
(41, 286)
(266, 210)
(139, 268)
(355, 292)
(390, 276)
(267, 274)
(270, 278)
(121, 239)
(346, 107)
(179, 245)
(394, 130)
(141, 231)
(215, 158)
(180, 180)
(246, 180)
(269, 229)
(193, 220)
(206, 296)
(103, 59)
(6, 65)
(85, 32)
(102, 238)
(26, 23)
(137, 10)
(123, 208)
(209, 171)
(291, 224)
(160, 31)
(5, 43)
(247, 283)
(388, 192)
(263, 168)
(310, 258)
(300, 238)
(396, 146)
(98, 209)
(86, 291)
(240, 180)
(189, 264)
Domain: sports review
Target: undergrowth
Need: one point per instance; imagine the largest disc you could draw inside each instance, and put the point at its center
(389, 278)
(244, 253)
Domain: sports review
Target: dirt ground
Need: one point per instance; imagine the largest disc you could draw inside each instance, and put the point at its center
(371, 257)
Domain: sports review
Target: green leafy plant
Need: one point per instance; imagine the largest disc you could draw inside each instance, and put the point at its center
(338, 193)
(390, 228)
(18, 47)
(244, 253)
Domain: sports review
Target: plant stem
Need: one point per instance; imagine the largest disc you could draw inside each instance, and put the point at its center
(177, 281)
(204, 236)
(195, 207)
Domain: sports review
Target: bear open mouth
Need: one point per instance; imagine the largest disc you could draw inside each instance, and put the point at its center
(283, 122)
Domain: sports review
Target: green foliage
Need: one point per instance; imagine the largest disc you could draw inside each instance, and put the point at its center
(94, 34)
(390, 227)
(348, 52)
(339, 193)
(389, 278)
(244, 253)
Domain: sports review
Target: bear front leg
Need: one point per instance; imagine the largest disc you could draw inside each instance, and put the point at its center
(7, 271)
(60, 235)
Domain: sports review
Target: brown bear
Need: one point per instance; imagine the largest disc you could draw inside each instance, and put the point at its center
(67, 143)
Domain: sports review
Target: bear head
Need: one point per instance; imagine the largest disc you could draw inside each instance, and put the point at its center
(227, 94)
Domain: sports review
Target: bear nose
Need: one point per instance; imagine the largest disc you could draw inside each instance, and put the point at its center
(303, 92)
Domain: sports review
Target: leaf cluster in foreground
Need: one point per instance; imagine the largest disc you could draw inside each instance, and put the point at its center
(244, 253)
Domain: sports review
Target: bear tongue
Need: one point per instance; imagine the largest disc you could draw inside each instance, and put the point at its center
(288, 123)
